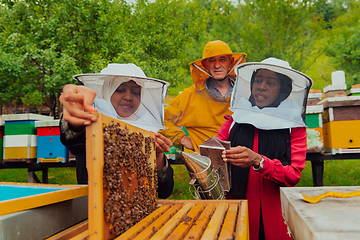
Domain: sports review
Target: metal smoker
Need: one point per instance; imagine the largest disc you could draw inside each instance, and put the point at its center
(204, 180)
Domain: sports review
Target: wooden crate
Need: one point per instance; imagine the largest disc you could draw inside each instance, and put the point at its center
(183, 219)
(102, 138)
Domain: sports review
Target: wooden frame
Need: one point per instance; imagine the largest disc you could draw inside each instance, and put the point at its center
(98, 227)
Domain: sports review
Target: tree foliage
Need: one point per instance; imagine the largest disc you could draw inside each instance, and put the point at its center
(344, 43)
(44, 42)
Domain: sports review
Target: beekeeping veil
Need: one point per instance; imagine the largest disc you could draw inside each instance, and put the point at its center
(199, 73)
(290, 108)
(149, 115)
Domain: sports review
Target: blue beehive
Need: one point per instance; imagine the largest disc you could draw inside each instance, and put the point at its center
(49, 146)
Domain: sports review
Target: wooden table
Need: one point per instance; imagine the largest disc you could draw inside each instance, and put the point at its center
(331, 218)
(33, 167)
(317, 163)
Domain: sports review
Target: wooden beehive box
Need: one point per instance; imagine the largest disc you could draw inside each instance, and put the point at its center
(183, 219)
(120, 163)
(1, 141)
(20, 138)
(193, 219)
(341, 119)
(315, 141)
(49, 146)
(37, 211)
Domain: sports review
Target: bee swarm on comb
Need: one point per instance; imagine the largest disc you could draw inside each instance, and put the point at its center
(130, 180)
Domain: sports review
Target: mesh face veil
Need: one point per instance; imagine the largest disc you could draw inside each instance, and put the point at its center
(270, 95)
(150, 113)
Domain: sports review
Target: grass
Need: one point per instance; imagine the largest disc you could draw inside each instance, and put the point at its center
(336, 173)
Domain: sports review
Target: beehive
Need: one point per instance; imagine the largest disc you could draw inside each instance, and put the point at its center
(1, 141)
(183, 219)
(49, 146)
(341, 120)
(37, 211)
(173, 219)
(120, 163)
(20, 139)
(315, 141)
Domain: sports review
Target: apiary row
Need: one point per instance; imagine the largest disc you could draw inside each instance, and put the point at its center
(333, 120)
(31, 138)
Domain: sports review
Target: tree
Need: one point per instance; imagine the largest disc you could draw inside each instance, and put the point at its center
(53, 40)
(281, 29)
(344, 43)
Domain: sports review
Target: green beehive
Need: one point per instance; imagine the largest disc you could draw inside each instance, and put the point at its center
(1, 142)
(26, 127)
(20, 132)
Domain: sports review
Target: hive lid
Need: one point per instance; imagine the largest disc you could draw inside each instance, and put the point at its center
(49, 123)
(25, 116)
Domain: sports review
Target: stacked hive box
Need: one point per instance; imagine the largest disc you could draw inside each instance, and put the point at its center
(20, 138)
(314, 122)
(49, 146)
(341, 121)
(37, 211)
(354, 91)
(315, 142)
(1, 141)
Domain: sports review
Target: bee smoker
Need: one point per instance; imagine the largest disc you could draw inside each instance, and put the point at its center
(204, 179)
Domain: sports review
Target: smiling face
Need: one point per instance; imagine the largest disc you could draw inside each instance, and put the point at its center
(266, 87)
(218, 66)
(126, 98)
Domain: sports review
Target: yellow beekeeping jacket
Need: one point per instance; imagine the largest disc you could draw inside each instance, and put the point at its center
(195, 108)
(202, 116)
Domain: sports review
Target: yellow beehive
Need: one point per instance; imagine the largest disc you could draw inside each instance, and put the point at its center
(341, 119)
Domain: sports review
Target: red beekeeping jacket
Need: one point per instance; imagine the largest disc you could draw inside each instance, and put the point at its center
(263, 190)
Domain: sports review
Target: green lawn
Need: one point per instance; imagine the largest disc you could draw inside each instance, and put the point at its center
(336, 173)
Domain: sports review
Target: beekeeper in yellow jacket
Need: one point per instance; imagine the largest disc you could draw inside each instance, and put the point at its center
(201, 107)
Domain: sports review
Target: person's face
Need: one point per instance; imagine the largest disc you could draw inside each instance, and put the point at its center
(218, 66)
(126, 98)
(266, 87)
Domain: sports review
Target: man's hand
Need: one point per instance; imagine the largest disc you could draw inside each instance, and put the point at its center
(77, 102)
(163, 144)
(186, 142)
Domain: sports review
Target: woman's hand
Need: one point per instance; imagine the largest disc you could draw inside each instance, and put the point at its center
(242, 157)
(163, 144)
(77, 103)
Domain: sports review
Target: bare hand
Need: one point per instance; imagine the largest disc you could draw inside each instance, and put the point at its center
(242, 157)
(163, 144)
(186, 142)
(77, 102)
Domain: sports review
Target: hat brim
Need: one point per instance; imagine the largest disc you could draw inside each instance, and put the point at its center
(300, 80)
(95, 81)
(236, 57)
